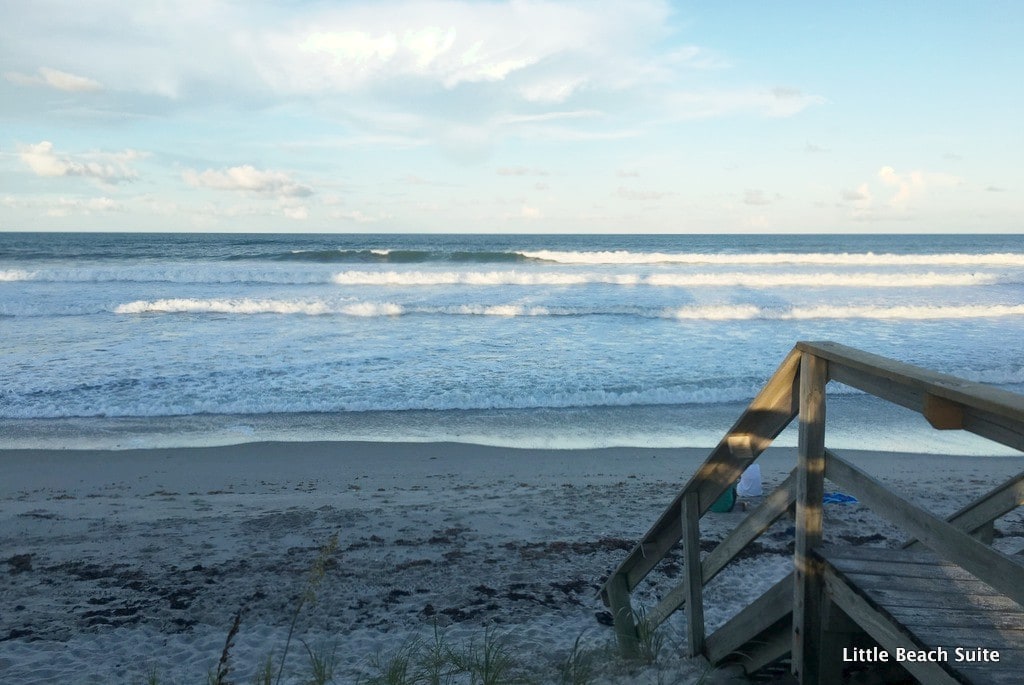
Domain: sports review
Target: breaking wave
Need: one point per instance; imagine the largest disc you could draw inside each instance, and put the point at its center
(719, 258)
(383, 256)
(695, 313)
(747, 280)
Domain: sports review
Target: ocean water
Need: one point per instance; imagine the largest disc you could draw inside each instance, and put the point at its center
(172, 339)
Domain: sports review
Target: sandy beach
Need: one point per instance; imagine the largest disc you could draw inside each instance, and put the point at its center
(125, 564)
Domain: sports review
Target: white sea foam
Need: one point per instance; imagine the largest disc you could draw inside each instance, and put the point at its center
(10, 275)
(429, 278)
(853, 280)
(845, 258)
(223, 306)
(311, 276)
(747, 280)
(690, 312)
(918, 312)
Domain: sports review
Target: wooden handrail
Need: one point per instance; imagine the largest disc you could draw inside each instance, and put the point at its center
(774, 505)
(1003, 498)
(998, 570)
(797, 388)
(766, 416)
(980, 409)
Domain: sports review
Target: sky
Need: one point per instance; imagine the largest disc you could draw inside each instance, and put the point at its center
(634, 116)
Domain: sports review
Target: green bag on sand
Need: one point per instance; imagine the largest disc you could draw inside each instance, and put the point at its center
(725, 503)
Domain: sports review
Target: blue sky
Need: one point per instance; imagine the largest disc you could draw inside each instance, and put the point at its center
(592, 117)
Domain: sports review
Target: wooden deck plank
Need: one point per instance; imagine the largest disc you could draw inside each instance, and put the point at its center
(938, 586)
(908, 556)
(879, 625)
(959, 636)
(979, 675)
(925, 599)
(998, 570)
(938, 605)
(872, 567)
(971, 617)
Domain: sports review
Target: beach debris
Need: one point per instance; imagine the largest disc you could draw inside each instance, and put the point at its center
(20, 563)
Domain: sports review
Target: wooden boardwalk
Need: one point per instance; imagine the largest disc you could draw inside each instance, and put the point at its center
(917, 602)
(947, 588)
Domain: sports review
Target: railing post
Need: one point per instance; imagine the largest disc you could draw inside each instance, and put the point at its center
(810, 490)
(622, 613)
(694, 577)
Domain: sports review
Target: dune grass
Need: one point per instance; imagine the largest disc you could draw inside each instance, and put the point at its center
(488, 658)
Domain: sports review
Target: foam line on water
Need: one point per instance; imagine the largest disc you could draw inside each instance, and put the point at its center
(844, 258)
(315, 307)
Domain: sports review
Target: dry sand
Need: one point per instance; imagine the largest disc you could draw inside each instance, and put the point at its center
(125, 563)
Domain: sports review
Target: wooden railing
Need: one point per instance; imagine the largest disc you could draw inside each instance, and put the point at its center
(798, 389)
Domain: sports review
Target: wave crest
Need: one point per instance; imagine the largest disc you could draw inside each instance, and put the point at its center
(733, 312)
(844, 258)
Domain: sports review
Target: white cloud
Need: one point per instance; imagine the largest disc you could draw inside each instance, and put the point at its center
(53, 78)
(359, 217)
(531, 213)
(631, 194)
(773, 102)
(755, 197)
(64, 206)
(861, 194)
(106, 167)
(457, 74)
(247, 178)
(520, 171)
(913, 184)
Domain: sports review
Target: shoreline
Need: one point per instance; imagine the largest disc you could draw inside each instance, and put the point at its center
(665, 426)
(138, 559)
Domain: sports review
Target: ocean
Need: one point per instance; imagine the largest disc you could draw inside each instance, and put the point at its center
(138, 340)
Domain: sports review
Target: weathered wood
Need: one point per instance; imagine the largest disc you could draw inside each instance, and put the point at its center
(757, 522)
(987, 411)
(937, 586)
(751, 622)
(957, 636)
(920, 555)
(842, 553)
(972, 617)
(878, 625)
(875, 567)
(770, 646)
(1003, 498)
(674, 600)
(990, 676)
(998, 570)
(884, 591)
(999, 429)
(693, 579)
(810, 489)
(622, 614)
(767, 415)
(959, 390)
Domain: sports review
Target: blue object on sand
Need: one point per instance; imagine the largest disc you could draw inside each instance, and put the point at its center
(838, 498)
